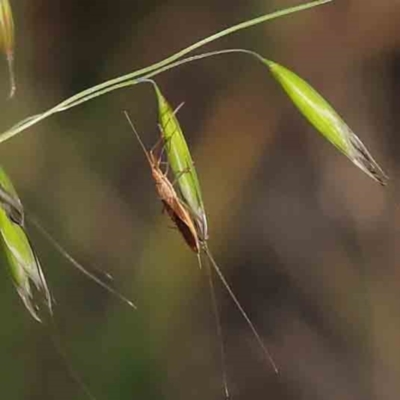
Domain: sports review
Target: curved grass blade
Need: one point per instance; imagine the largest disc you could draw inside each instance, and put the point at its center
(152, 70)
(7, 40)
(326, 120)
(23, 263)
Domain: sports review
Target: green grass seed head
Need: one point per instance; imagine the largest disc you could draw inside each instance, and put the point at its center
(326, 120)
(6, 27)
(9, 199)
(182, 165)
(24, 266)
(7, 39)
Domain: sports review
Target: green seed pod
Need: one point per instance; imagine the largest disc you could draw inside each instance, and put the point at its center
(7, 39)
(23, 264)
(6, 27)
(181, 162)
(326, 120)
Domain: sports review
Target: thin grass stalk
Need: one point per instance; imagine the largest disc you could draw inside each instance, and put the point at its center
(129, 79)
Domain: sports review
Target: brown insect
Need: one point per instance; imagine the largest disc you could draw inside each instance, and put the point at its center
(172, 204)
(182, 219)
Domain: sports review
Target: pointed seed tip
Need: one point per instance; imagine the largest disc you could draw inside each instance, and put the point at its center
(132, 305)
(227, 395)
(109, 276)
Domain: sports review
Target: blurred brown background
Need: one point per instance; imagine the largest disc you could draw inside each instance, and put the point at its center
(309, 244)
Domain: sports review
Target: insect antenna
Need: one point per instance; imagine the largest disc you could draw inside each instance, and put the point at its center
(146, 152)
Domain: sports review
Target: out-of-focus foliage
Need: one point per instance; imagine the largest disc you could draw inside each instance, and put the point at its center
(309, 244)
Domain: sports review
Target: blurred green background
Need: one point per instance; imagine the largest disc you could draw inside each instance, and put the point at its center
(307, 241)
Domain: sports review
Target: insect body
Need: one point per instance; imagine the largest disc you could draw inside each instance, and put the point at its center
(173, 205)
(184, 223)
(194, 231)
